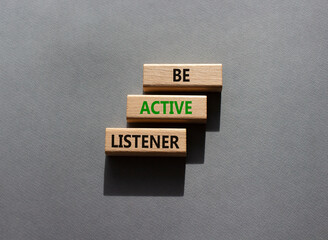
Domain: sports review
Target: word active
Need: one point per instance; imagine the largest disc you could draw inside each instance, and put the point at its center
(166, 108)
(173, 107)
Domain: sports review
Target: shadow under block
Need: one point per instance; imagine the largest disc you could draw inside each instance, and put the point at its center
(166, 108)
(146, 142)
(182, 77)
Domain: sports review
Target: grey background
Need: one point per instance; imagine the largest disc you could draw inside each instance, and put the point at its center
(257, 171)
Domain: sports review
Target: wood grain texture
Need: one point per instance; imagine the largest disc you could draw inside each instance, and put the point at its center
(202, 78)
(146, 142)
(166, 108)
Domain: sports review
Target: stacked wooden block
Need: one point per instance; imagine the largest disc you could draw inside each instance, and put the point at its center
(163, 78)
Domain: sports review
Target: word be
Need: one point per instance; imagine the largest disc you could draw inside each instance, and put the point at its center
(182, 77)
(177, 73)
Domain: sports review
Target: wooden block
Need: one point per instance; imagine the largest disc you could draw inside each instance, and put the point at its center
(166, 108)
(182, 77)
(146, 142)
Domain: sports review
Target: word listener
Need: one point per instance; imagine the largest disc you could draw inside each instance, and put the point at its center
(145, 141)
(166, 107)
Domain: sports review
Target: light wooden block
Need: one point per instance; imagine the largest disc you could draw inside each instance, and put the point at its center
(166, 108)
(193, 77)
(146, 142)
